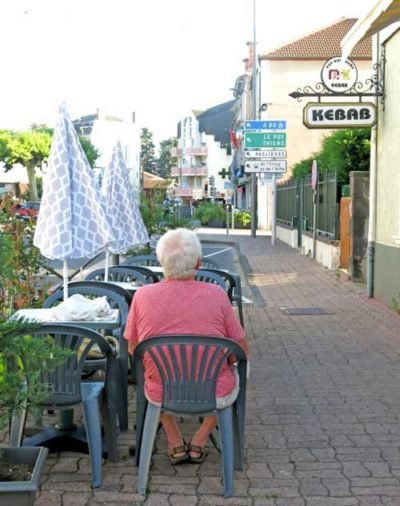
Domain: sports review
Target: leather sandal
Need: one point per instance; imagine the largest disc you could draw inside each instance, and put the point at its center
(174, 457)
(197, 449)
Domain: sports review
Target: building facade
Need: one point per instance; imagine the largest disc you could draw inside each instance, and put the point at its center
(280, 72)
(383, 23)
(203, 154)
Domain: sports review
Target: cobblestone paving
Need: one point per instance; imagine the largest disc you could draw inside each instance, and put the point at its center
(323, 404)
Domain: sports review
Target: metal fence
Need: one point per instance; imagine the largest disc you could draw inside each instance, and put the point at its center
(295, 204)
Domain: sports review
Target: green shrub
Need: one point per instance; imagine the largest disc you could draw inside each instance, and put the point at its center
(344, 150)
(242, 219)
(210, 212)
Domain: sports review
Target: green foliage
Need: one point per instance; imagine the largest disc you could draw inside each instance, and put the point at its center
(209, 212)
(31, 149)
(344, 150)
(302, 168)
(152, 212)
(147, 153)
(89, 149)
(22, 280)
(38, 354)
(166, 161)
(243, 219)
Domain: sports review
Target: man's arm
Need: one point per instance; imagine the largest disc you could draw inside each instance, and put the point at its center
(131, 347)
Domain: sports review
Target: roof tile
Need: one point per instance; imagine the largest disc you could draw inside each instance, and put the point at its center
(321, 44)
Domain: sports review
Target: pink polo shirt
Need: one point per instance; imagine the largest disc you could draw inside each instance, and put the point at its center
(182, 307)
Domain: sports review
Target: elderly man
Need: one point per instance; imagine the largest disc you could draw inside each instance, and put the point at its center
(181, 305)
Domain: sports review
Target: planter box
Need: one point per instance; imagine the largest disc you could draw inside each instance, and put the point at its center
(216, 224)
(22, 493)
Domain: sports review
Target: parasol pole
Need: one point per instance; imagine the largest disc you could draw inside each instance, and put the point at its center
(106, 266)
(65, 278)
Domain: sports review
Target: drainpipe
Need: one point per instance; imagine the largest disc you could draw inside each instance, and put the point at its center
(372, 185)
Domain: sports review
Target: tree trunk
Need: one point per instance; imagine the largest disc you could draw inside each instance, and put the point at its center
(32, 183)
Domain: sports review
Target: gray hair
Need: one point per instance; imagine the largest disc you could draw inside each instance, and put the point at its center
(178, 252)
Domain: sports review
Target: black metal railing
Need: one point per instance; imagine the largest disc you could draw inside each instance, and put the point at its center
(295, 204)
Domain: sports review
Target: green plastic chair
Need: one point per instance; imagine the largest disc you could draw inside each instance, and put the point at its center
(189, 387)
(66, 390)
(118, 298)
(135, 273)
(234, 289)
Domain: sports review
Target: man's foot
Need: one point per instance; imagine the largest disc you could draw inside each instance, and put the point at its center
(178, 454)
(196, 453)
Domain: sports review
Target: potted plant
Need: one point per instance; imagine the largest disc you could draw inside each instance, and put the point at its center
(20, 353)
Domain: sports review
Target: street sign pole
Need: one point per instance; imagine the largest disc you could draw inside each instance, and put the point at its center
(255, 116)
(273, 232)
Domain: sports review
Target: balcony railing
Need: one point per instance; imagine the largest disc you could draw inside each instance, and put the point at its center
(189, 151)
(190, 192)
(175, 152)
(196, 151)
(189, 171)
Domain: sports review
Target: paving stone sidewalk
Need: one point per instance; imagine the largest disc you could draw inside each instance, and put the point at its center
(323, 420)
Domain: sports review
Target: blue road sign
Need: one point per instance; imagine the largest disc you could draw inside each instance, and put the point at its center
(268, 124)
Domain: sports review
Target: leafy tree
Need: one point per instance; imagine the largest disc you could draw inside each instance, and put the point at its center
(344, 150)
(147, 151)
(166, 161)
(31, 149)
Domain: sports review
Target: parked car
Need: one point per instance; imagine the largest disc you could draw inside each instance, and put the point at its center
(27, 210)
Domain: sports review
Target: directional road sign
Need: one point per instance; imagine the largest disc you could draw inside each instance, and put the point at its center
(269, 124)
(265, 154)
(272, 166)
(264, 140)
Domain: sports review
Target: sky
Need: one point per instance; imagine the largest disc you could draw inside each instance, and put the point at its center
(159, 58)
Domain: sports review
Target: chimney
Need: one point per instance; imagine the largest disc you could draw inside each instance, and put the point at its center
(249, 62)
(133, 117)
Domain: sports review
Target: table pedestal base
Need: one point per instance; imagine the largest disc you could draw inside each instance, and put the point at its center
(62, 440)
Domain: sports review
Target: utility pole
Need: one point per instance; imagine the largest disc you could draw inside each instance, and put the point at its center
(254, 111)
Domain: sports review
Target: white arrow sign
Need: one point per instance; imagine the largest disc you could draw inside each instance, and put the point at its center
(271, 166)
(265, 154)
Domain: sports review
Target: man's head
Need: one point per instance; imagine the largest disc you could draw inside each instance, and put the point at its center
(179, 252)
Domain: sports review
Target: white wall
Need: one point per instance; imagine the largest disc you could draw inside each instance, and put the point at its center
(217, 159)
(327, 253)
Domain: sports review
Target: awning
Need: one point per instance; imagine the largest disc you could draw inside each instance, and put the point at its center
(385, 13)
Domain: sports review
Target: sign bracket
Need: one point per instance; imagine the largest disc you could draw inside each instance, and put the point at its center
(372, 87)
